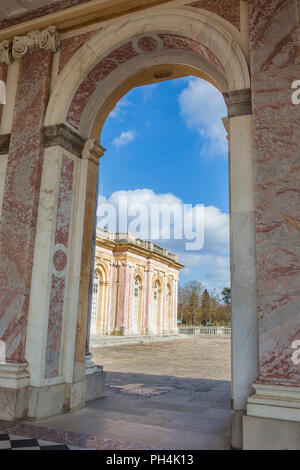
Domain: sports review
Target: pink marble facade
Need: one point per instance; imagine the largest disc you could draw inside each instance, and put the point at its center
(118, 57)
(227, 9)
(126, 52)
(274, 32)
(119, 265)
(58, 278)
(124, 298)
(21, 198)
(71, 45)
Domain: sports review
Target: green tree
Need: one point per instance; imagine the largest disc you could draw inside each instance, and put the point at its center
(205, 306)
(226, 295)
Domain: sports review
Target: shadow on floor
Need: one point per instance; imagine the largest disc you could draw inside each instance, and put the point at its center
(151, 411)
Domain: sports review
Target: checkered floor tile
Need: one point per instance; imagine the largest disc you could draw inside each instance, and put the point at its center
(13, 442)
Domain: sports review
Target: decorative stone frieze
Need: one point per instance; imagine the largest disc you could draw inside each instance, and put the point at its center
(46, 39)
(5, 52)
(62, 135)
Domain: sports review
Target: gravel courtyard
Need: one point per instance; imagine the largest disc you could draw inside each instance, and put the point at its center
(201, 357)
(168, 394)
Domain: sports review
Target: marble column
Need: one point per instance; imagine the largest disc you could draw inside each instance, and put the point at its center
(275, 64)
(243, 257)
(148, 300)
(122, 326)
(18, 224)
(88, 354)
(85, 371)
(174, 326)
(165, 305)
(112, 296)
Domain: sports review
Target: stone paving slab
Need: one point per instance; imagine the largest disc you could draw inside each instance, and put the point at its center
(158, 395)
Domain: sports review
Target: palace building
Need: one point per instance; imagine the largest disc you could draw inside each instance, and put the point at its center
(135, 287)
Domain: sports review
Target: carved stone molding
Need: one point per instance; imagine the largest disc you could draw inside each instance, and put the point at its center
(93, 151)
(5, 52)
(238, 102)
(46, 39)
(62, 135)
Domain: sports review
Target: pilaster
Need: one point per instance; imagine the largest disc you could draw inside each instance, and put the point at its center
(27, 95)
(243, 256)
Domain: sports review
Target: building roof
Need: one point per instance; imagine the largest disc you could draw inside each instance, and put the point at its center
(129, 242)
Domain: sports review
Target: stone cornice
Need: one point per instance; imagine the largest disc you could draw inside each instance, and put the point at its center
(238, 102)
(71, 14)
(130, 247)
(11, 50)
(92, 151)
(62, 135)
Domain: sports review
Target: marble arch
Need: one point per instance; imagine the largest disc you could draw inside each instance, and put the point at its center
(48, 189)
(198, 28)
(183, 43)
(86, 89)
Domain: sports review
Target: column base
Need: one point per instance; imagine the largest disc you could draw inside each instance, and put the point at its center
(275, 402)
(19, 400)
(270, 434)
(121, 332)
(94, 380)
(14, 381)
(273, 418)
(237, 429)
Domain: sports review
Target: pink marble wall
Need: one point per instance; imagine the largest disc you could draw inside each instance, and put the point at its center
(227, 9)
(123, 297)
(118, 57)
(112, 304)
(126, 52)
(71, 45)
(21, 197)
(274, 32)
(58, 279)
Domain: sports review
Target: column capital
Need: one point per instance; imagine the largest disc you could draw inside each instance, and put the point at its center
(5, 52)
(16, 48)
(63, 136)
(93, 151)
(238, 102)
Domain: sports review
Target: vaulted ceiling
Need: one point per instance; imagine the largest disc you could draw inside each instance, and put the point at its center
(9, 8)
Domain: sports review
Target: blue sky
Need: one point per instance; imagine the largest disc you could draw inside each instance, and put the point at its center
(166, 143)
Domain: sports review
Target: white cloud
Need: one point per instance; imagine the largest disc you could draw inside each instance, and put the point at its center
(202, 107)
(120, 108)
(211, 264)
(126, 137)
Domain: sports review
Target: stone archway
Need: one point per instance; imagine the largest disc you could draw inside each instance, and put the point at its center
(48, 171)
(110, 64)
(87, 88)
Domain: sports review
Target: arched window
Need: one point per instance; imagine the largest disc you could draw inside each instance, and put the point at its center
(95, 303)
(155, 307)
(135, 306)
